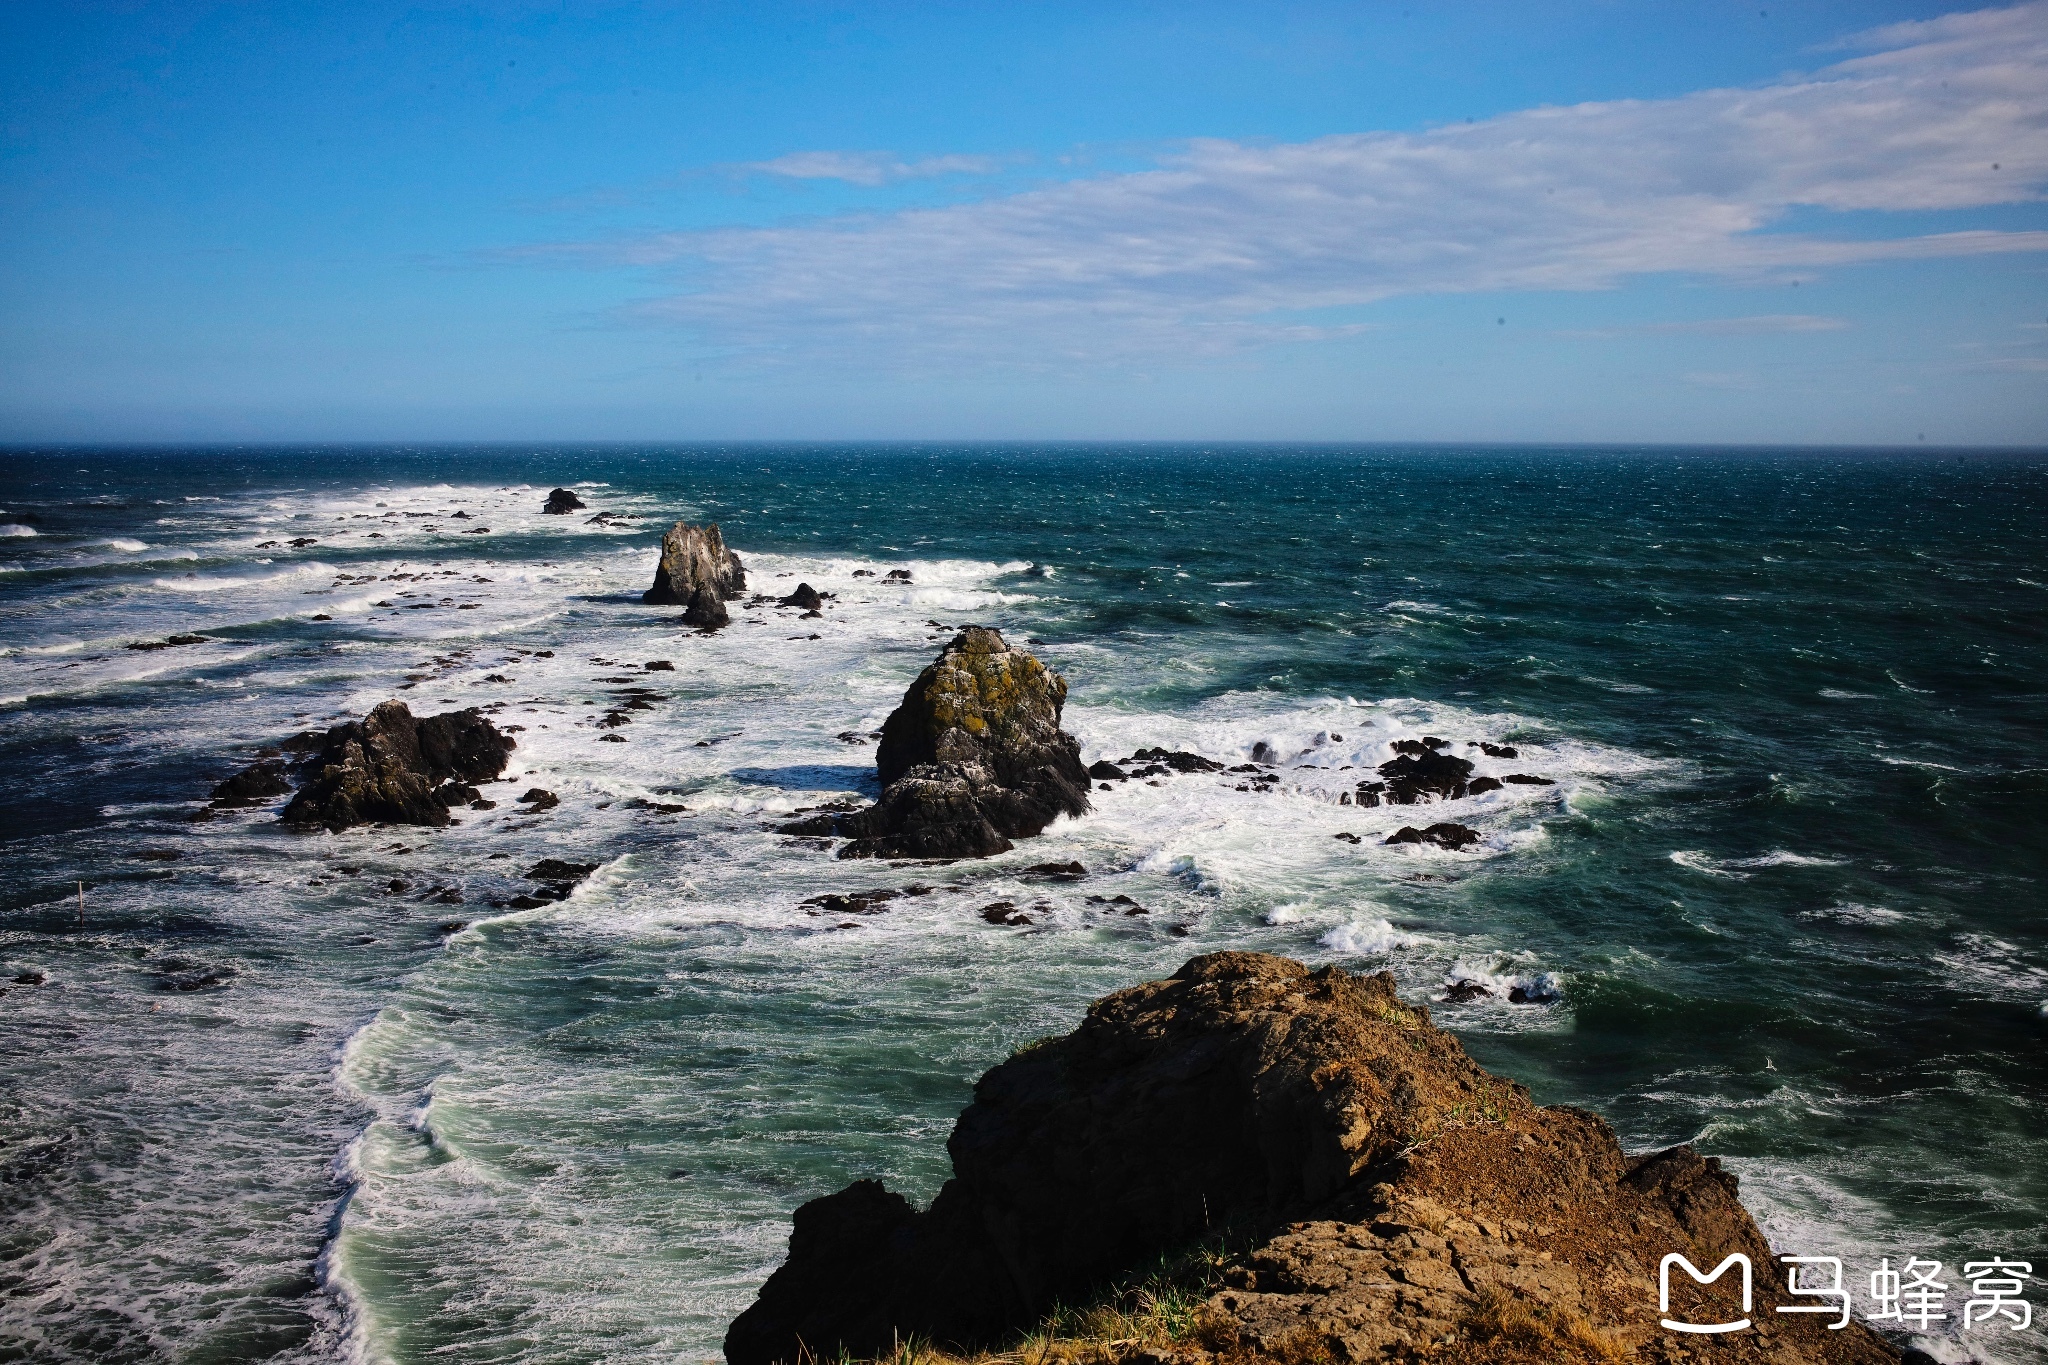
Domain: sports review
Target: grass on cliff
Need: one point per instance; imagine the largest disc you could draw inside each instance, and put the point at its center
(1160, 1308)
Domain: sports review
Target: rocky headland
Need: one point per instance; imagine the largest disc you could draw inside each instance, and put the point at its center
(1366, 1192)
(973, 758)
(698, 573)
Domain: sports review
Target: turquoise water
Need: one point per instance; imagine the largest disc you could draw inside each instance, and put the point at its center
(1790, 880)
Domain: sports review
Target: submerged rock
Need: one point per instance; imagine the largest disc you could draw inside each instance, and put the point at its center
(1444, 834)
(1396, 1201)
(972, 758)
(388, 766)
(561, 502)
(696, 572)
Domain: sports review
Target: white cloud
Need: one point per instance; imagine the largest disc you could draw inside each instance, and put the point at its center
(871, 168)
(1763, 325)
(1228, 244)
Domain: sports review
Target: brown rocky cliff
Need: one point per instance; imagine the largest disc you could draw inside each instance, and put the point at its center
(1398, 1201)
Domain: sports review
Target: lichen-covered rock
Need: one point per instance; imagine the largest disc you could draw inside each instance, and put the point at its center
(1398, 1201)
(388, 766)
(972, 758)
(698, 572)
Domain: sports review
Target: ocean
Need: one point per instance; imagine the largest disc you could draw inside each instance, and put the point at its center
(268, 1095)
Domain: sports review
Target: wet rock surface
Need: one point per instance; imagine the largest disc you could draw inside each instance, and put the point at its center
(973, 757)
(1395, 1201)
(561, 502)
(698, 573)
(389, 767)
(1444, 834)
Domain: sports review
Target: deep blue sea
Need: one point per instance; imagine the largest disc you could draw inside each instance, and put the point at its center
(280, 1096)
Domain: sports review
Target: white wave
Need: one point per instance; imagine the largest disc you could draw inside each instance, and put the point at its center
(1698, 861)
(13, 528)
(1837, 694)
(1848, 912)
(1781, 858)
(1368, 938)
(1500, 980)
(123, 545)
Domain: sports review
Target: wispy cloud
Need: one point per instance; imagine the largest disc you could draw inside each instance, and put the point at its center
(1765, 324)
(871, 168)
(1228, 244)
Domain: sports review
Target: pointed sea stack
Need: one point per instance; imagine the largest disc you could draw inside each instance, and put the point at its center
(973, 758)
(1386, 1198)
(696, 572)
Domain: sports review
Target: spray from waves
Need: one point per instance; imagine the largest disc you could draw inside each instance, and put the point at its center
(14, 528)
(1368, 938)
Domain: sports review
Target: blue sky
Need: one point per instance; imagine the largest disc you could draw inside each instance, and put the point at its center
(1596, 221)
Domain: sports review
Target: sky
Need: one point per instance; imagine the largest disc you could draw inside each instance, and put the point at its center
(1670, 221)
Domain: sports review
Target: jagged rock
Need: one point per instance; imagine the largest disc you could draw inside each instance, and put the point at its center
(1497, 750)
(387, 766)
(973, 757)
(939, 810)
(252, 786)
(1177, 760)
(1525, 780)
(805, 596)
(698, 573)
(561, 502)
(1422, 772)
(1444, 834)
(1397, 1201)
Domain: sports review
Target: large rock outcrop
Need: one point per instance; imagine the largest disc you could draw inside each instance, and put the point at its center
(972, 758)
(696, 572)
(391, 767)
(1398, 1202)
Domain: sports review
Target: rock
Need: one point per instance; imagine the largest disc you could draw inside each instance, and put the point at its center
(1413, 776)
(538, 799)
(561, 502)
(1393, 1200)
(811, 825)
(1003, 912)
(386, 767)
(252, 786)
(556, 870)
(1525, 780)
(1123, 903)
(698, 573)
(458, 794)
(1497, 750)
(659, 666)
(937, 810)
(851, 903)
(1105, 771)
(1482, 784)
(1347, 836)
(156, 855)
(805, 596)
(972, 758)
(1177, 760)
(174, 642)
(1057, 872)
(897, 576)
(1444, 834)
(1458, 992)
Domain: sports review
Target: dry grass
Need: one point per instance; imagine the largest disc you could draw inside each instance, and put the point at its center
(1542, 1332)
